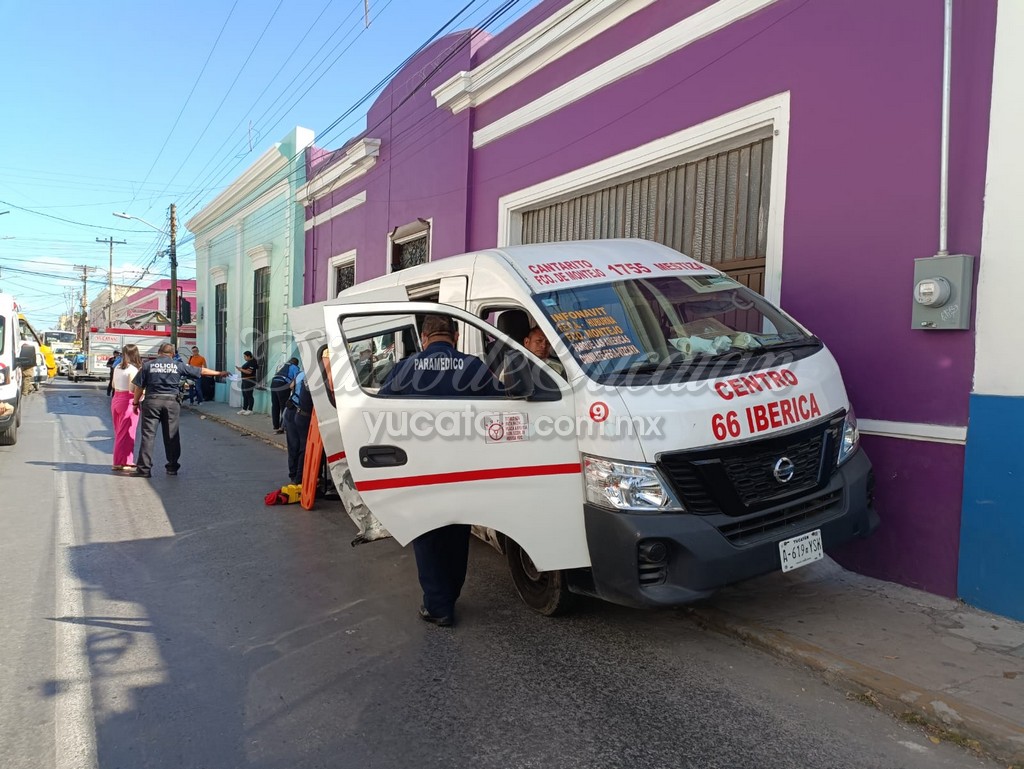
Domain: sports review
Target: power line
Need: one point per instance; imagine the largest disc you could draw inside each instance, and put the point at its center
(188, 99)
(502, 10)
(226, 94)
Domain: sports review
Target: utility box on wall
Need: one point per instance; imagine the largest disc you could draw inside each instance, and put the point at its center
(942, 292)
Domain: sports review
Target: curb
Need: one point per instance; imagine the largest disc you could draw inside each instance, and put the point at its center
(236, 427)
(942, 713)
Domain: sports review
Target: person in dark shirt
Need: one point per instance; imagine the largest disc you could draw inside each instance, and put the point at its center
(297, 415)
(160, 381)
(441, 371)
(248, 371)
(280, 391)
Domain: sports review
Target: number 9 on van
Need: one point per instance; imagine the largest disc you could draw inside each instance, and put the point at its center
(623, 486)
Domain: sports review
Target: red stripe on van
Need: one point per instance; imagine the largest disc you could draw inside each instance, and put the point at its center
(468, 475)
(336, 457)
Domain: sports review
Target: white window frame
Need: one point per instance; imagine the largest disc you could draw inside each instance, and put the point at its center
(341, 260)
(409, 232)
(772, 112)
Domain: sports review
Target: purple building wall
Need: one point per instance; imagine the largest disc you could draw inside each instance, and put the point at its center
(421, 173)
(862, 202)
(862, 198)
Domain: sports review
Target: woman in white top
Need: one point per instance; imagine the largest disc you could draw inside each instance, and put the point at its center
(126, 419)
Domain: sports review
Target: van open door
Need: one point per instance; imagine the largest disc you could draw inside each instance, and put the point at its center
(307, 324)
(507, 463)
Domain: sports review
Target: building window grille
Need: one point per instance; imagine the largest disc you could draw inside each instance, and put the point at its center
(220, 317)
(261, 315)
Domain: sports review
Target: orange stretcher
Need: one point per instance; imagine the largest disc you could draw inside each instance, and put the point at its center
(311, 467)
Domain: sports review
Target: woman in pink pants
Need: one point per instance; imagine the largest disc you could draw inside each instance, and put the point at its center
(126, 419)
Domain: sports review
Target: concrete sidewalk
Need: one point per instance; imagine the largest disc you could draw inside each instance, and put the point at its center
(957, 671)
(256, 425)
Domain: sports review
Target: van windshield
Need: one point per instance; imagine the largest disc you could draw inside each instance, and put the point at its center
(665, 329)
(3, 333)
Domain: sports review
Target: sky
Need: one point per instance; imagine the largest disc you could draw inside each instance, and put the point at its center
(131, 105)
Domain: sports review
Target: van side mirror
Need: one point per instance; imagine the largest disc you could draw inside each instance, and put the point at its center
(27, 357)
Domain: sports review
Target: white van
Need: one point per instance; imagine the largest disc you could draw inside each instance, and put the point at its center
(697, 437)
(15, 354)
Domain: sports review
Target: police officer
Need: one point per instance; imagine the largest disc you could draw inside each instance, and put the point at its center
(160, 380)
(442, 371)
(297, 414)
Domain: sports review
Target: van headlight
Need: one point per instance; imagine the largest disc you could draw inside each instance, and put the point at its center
(850, 439)
(622, 486)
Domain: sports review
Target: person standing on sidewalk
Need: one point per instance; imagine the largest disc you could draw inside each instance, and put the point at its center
(126, 418)
(248, 371)
(160, 381)
(281, 390)
(197, 360)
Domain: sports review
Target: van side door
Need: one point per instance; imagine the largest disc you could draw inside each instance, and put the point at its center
(509, 462)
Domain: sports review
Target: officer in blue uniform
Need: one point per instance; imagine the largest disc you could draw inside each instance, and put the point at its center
(441, 371)
(297, 414)
(160, 380)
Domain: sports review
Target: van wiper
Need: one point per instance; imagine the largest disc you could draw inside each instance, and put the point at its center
(795, 344)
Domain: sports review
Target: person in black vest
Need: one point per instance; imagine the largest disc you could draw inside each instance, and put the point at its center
(281, 390)
(297, 414)
(160, 381)
(439, 370)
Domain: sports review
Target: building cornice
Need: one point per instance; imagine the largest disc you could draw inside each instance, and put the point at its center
(346, 205)
(270, 164)
(218, 274)
(357, 160)
(260, 255)
(562, 32)
(666, 42)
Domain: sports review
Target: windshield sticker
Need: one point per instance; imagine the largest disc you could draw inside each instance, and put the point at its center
(552, 274)
(595, 335)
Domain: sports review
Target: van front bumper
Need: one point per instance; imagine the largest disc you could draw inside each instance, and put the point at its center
(706, 552)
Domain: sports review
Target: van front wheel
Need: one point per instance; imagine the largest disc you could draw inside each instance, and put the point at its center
(10, 436)
(546, 592)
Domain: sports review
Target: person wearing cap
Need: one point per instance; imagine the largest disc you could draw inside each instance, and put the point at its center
(440, 370)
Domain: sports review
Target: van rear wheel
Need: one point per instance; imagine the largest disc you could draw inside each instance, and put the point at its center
(546, 592)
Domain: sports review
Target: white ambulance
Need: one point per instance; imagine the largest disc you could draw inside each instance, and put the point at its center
(690, 434)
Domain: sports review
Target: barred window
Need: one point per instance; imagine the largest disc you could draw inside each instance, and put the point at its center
(220, 318)
(261, 315)
(344, 277)
(410, 253)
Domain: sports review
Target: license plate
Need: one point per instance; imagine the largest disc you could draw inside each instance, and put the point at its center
(800, 551)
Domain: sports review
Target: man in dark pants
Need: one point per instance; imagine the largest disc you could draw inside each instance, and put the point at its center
(297, 415)
(160, 381)
(441, 371)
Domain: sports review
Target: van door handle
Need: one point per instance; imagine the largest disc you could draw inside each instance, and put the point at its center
(382, 456)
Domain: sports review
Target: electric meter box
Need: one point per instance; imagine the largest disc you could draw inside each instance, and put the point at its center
(942, 292)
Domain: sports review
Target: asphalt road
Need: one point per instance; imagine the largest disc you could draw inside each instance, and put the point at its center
(179, 622)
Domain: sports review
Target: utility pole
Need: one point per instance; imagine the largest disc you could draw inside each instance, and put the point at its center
(174, 279)
(110, 276)
(85, 303)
